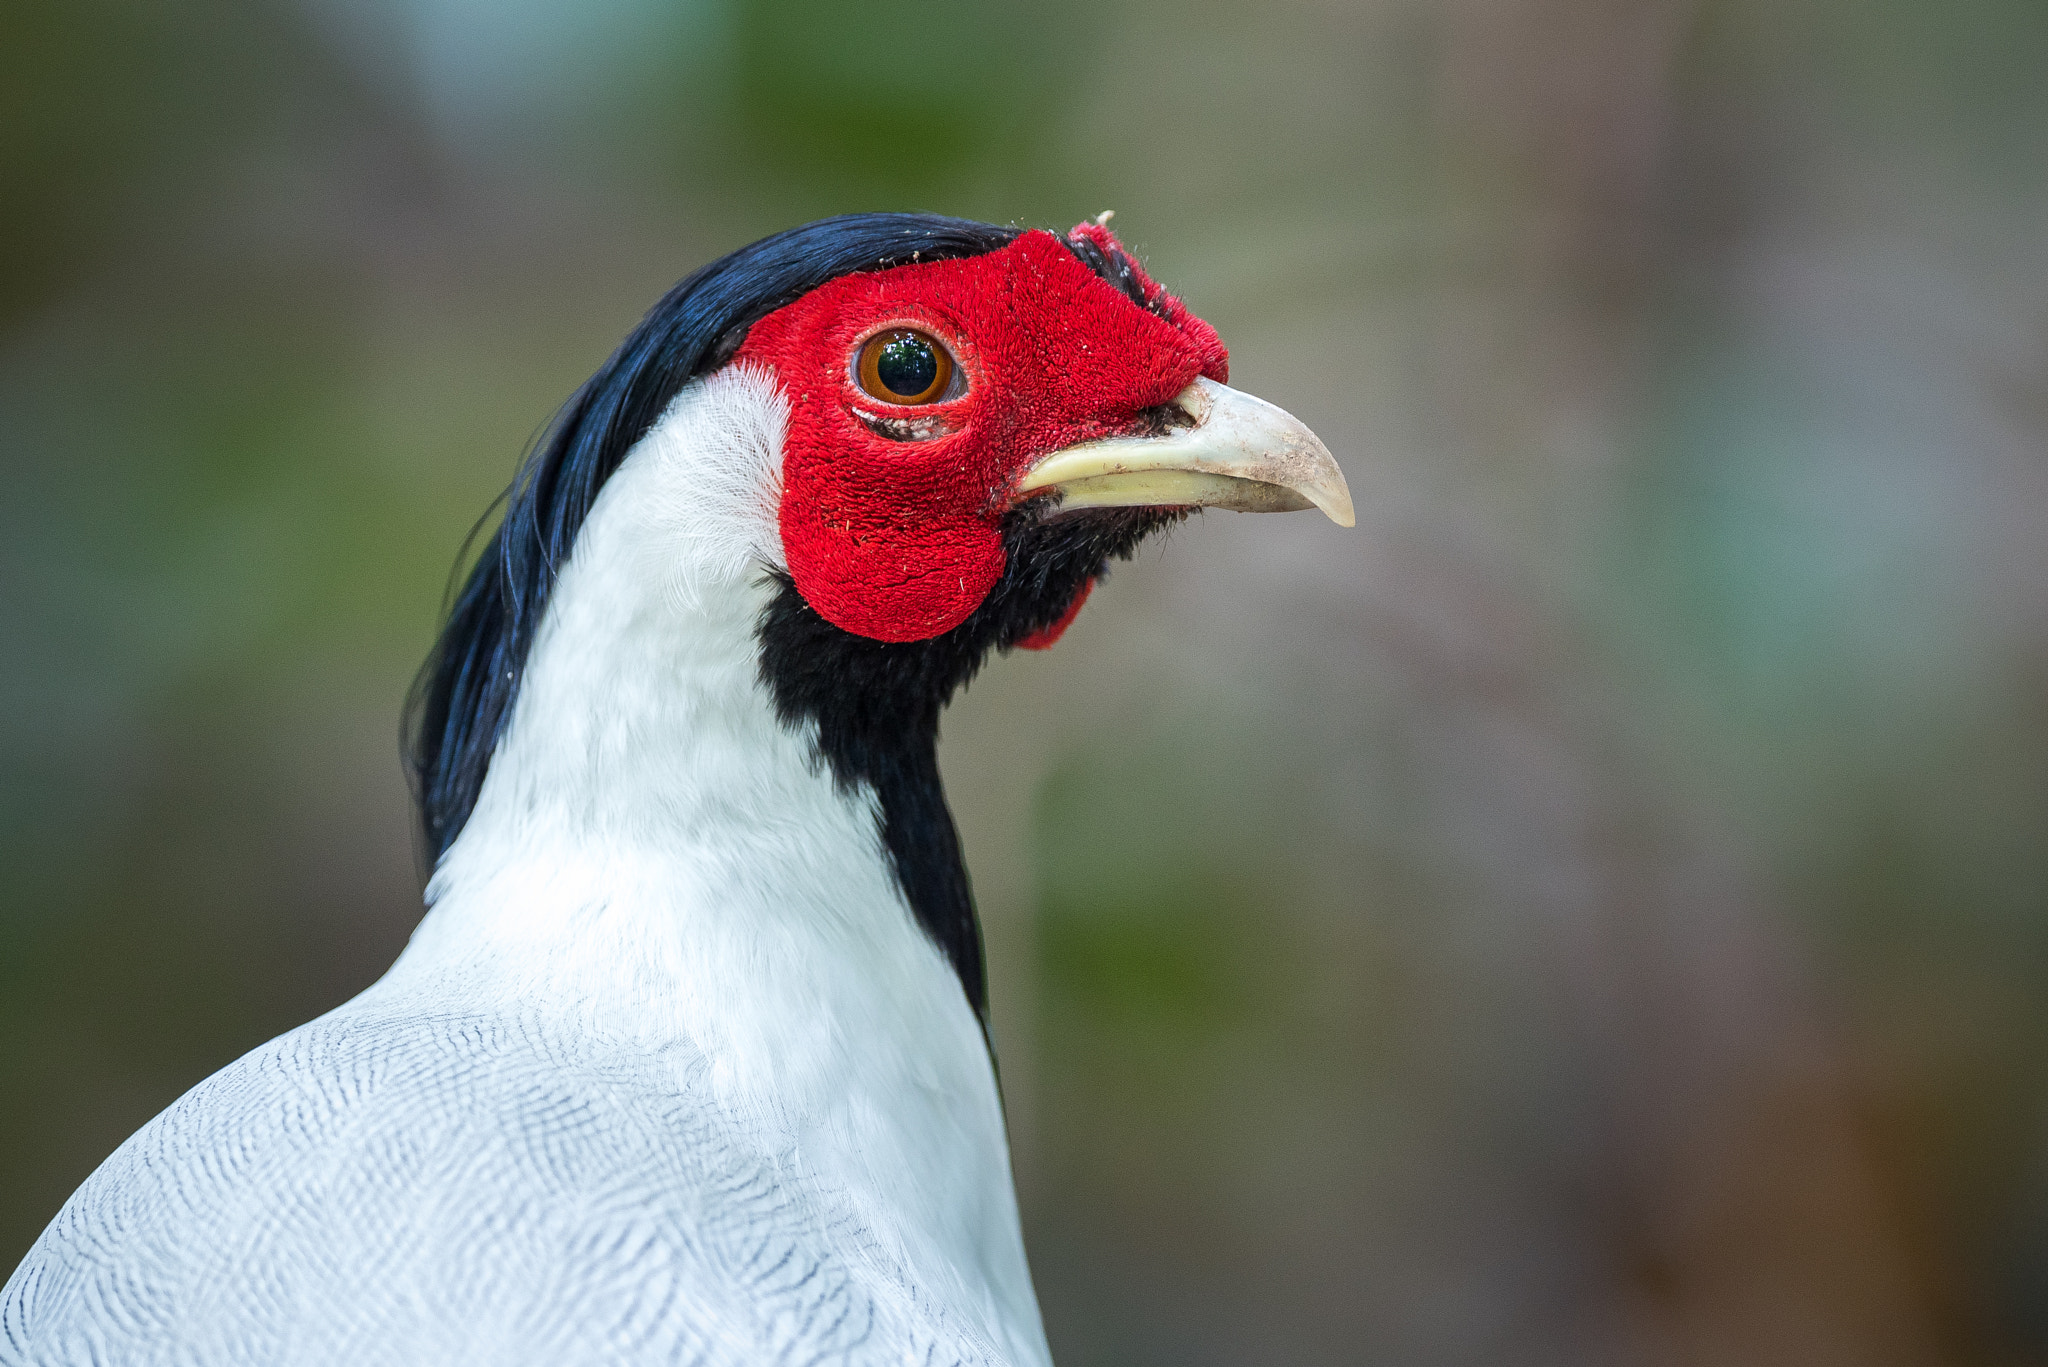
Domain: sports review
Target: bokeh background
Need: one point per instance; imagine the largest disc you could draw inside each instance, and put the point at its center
(1595, 912)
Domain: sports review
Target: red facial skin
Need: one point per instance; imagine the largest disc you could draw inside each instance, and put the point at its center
(898, 540)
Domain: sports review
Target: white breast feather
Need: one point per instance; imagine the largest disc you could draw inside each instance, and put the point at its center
(668, 1073)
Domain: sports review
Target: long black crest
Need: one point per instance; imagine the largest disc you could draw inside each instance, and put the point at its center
(463, 697)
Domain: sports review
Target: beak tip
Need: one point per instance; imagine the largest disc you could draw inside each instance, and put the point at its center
(1241, 453)
(1336, 505)
(1329, 490)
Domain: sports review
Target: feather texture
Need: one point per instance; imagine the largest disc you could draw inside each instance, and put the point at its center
(668, 1074)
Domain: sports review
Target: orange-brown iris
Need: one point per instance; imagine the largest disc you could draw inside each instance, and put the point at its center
(903, 366)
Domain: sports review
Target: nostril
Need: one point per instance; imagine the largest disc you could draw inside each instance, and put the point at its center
(1161, 419)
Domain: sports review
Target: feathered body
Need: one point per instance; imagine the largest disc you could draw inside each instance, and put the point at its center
(686, 1063)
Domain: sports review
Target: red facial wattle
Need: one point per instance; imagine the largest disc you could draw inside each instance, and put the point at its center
(1046, 637)
(897, 537)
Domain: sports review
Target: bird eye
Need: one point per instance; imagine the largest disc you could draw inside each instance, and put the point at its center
(904, 367)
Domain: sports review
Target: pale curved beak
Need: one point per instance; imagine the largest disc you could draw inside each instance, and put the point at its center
(1235, 451)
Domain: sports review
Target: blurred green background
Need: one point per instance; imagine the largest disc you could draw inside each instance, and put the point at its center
(1596, 912)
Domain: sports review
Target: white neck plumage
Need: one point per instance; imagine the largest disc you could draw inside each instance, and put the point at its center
(655, 857)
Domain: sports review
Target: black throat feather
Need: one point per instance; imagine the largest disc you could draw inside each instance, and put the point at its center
(875, 705)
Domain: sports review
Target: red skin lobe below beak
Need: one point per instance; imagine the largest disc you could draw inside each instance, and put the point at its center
(1045, 637)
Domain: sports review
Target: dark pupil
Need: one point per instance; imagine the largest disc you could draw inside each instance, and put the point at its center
(907, 366)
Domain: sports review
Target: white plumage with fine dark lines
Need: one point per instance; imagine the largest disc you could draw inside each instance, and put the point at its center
(687, 1062)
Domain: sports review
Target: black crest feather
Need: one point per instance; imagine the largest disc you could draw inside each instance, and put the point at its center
(463, 696)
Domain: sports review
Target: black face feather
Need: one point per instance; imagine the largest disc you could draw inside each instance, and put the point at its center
(1113, 266)
(876, 705)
